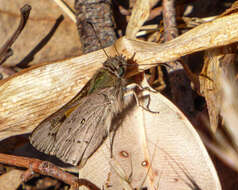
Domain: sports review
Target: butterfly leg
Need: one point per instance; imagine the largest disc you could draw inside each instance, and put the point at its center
(131, 90)
(135, 85)
(111, 139)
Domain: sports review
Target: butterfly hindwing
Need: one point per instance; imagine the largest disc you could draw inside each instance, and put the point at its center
(84, 130)
(73, 134)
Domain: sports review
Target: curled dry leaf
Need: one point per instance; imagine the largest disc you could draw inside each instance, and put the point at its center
(140, 13)
(216, 61)
(11, 180)
(210, 86)
(219, 32)
(231, 10)
(35, 93)
(29, 95)
(225, 146)
(154, 150)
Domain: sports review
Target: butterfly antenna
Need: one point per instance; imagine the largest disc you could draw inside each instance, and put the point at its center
(98, 38)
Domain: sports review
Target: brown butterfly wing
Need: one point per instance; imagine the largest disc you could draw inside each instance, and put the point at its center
(82, 131)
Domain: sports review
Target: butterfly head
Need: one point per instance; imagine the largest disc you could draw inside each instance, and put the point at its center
(116, 65)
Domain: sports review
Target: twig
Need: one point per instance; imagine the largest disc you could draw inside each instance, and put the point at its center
(179, 83)
(24, 63)
(38, 166)
(155, 12)
(5, 50)
(99, 13)
(169, 18)
(44, 168)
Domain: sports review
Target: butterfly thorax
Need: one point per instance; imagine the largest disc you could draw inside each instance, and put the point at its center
(110, 75)
(105, 79)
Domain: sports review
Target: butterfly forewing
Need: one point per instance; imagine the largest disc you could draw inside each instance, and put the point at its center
(88, 131)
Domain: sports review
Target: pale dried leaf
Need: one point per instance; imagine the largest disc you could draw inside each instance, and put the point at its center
(217, 61)
(221, 100)
(157, 151)
(63, 44)
(219, 32)
(229, 106)
(223, 150)
(11, 180)
(140, 13)
(28, 97)
(34, 94)
(232, 9)
(209, 84)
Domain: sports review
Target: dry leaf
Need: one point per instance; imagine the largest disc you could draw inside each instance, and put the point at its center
(25, 92)
(217, 61)
(225, 146)
(140, 13)
(63, 44)
(229, 106)
(209, 84)
(219, 32)
(231, 10)
(154, 150)
(38, 92)
(214, 65)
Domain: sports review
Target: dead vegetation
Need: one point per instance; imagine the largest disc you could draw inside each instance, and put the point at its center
(188, 52)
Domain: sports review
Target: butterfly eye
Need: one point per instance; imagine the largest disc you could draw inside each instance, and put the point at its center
(121, 71)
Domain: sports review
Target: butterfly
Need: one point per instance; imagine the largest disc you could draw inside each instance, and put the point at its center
(75, 132)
